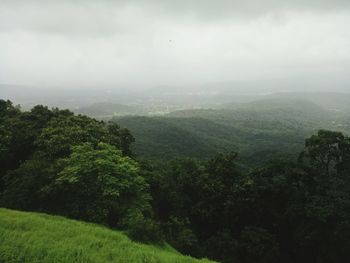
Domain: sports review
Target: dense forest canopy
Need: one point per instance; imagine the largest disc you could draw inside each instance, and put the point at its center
(259, 130)
(292, 209)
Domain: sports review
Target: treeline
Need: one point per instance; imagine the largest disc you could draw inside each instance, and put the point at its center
(286, 211)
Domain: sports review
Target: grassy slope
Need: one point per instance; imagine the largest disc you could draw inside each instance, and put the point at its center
(32, 237)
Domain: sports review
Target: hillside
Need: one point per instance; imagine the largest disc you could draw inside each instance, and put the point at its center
(285, 113)
(257, 131)
(336, 102)
(32, 237)
(161, 137)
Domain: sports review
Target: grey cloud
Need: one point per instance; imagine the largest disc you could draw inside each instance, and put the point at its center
(226, 9)
(105, 17)
(172, 41)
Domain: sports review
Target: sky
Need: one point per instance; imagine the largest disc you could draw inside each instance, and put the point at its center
(175, 43)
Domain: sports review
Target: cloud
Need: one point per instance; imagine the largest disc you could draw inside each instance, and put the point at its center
(172, 42)
(104, 17)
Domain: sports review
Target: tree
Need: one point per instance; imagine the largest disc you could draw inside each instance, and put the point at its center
(19, 131)
(98, 184)
(25, 186)
(329, 151)
(121, 138)
(190, 198)
(63, 132)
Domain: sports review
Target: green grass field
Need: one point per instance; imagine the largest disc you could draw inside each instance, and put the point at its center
(35, 238)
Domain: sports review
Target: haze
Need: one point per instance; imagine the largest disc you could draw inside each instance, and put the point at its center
(301, 45)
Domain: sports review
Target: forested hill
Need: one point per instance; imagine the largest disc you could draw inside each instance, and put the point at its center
(339, 102)
(266, 113)
(270, 104)
(171, 137)
(258, 131)
(332, 101)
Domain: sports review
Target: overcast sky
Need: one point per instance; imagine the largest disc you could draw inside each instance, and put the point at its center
(173, 42)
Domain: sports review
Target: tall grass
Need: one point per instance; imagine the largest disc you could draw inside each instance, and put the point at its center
(37, 238)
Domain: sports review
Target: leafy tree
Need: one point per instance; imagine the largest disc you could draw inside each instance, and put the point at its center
(7, 109)
(98, 184)
(19, 132)
(121, 137)
(31, 148)
(142, 228)
(24, 185)
(190, 200)
(329, 151)
(63, 132)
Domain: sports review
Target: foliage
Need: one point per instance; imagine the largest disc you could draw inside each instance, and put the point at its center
(282, 212)
(143, 229)
(99, 185)
(258, 131)
(57, 162)
(328, 151)
(286, 210)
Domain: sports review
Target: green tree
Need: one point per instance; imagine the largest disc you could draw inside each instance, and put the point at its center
(25, 186)
(120, 137)
(100, 185)
(329, 151)
(63, 132)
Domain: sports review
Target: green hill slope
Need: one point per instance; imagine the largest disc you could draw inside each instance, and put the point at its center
(202, 133)
(258, 131)
(35, 238)
(171, 137)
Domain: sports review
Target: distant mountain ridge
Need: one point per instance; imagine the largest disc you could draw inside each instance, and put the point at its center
(327, 100)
